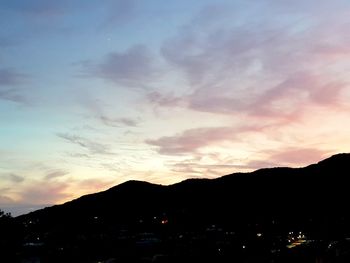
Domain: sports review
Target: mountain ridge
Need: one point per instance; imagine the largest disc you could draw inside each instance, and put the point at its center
(260, 170)
(239, 217)
(273, 179)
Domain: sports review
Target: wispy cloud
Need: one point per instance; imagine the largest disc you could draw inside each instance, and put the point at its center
(50, 191)
(214, 165)
(34, 7)
(13, 177)
(10, 77)
(10, 80)
(55, 174)
(47, 193)
(164, 100)
(192, 140)
(266, 66)
(92, 147)
(119, 12)
(298, 156)
(133, 67)
(94, 184)
(296, 94)
(5, 200)
(12, 95)
(99, 112)
(119, 122)
(195, 169)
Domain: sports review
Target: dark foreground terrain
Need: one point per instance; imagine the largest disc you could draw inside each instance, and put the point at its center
(276, 215)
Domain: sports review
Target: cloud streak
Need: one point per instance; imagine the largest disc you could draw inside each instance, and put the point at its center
(14, 178)
(47, 193)
(35, 7)
(238, 86)
(9, 82)
(132, 68)
(56, 174)
(5, 200)
(91, 146)
(9, 77)
(190, 141)
(298, 156)
(213, 165)
(266, 67)
(118, 122)
(119, 12)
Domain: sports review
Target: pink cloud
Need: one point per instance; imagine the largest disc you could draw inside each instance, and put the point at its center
(47, 193)
(298, 156)
(287, 63)
(287, 100)
(328, 94)
(58, 191)
(191, 140)
(293, 96)
(219, 166)
(269, 70)
(5, 200)
(94, 185)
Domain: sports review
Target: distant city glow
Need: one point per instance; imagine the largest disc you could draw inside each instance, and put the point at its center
(96, 93)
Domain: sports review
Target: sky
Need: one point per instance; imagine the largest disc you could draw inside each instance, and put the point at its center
(96, 93)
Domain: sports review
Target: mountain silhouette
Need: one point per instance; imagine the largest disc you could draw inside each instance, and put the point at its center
(201, 219)
(318, 189)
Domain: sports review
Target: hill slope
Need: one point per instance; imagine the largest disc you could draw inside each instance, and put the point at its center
(316, 189)
(200, 219)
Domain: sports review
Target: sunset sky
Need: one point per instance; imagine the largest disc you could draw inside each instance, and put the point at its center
(95, 93)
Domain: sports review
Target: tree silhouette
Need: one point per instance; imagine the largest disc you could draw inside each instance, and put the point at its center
(4, 215)
(9, 237)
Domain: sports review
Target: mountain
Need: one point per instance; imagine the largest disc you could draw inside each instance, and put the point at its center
(312, 199)
(317, 189)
